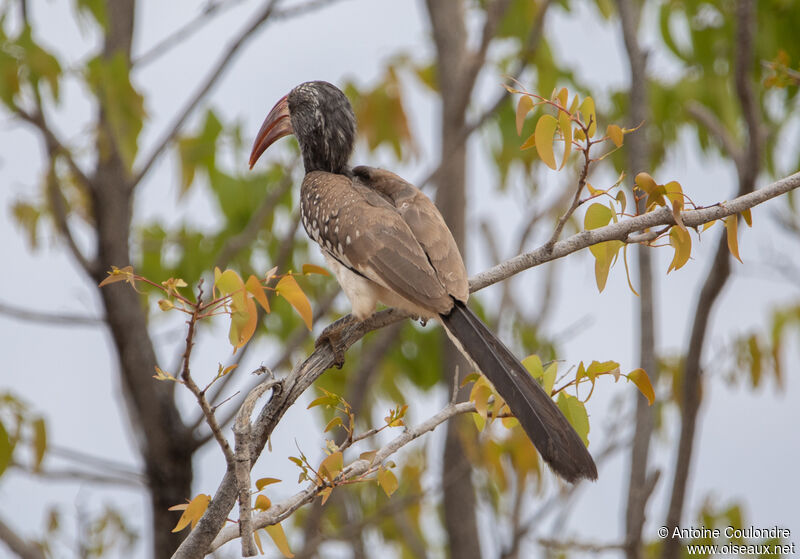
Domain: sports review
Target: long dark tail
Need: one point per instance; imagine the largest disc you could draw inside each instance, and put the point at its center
(548, 429)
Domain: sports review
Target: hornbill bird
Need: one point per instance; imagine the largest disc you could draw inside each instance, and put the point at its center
(386, 242)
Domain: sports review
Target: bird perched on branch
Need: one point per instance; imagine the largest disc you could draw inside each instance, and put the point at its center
(386, 242)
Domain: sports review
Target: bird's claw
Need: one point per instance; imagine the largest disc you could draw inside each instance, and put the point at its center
(332, 335)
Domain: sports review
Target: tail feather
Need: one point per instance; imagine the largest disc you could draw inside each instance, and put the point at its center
(548, 429)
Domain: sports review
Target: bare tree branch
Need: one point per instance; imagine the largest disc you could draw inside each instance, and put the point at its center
(624, 231)
(638, 155)
(61, 319)
(211, 79)
(747, 168)
(136, 481)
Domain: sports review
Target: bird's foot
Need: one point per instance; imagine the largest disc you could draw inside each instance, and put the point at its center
(332, 335)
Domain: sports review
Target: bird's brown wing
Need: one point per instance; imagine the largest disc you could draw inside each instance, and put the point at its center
(426, 224)
(364, 232)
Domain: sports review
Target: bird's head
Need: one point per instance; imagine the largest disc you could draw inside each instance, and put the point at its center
(321, 118)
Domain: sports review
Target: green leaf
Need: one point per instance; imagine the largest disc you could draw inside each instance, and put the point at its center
(575, 412)
(39, 64)
(549, 377)
(199, 151)
(9, 77)
(122, 105)
(6, 449)
(39, 442)
(95, 8)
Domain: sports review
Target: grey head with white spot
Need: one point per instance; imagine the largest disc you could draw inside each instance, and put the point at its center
(321, 118)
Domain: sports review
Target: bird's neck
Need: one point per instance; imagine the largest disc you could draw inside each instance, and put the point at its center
(326, 142)
(323, 160)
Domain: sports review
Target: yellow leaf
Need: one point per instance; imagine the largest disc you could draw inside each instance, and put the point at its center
(313, 269)
(565, 125)
(622, 200)
(615, 133)
(255, 288)
(523, 108)
(325, 493)
(264, 481)
(598, 368)
(192, 512)
(748, 218)
(642, 381)
(708, 224)
(575, 412)
(574, 105)
(243, 322)
(332, 465)
(39, 442)
(534, 366)
(731, 225)
(333, 423)
(279, 539)
(549, 377)
(257, 539)
(588, 115)
(597, 215)
(543, 137)
(118, 274)
(605, 254)
(262, 503)
(369, 455)
(682, 243)
(479, 395)
(655, 192)
(562, 97)
(289, 289)
(388, 482)
(165, 305)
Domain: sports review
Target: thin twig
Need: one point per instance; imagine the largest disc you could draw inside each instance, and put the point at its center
(354, 470)
(199, 394)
